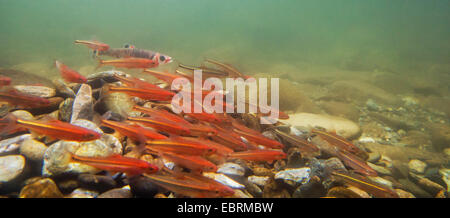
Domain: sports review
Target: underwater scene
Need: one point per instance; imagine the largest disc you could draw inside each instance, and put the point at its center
(224, 99)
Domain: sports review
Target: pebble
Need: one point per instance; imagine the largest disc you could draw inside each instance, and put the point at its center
(62, 88)
(82, 193)
(359, 192)
(231, 169)
(43, 188)
(417, 166)
(11, 167)
(366, 140)
(414, 189)
(96, 182)
(447, 152)
(241, 194)
(65, 110)
(294, 177)
(374, 157)
(342, 192)
(260, 181)
(40, 91)
(83, 107)
(117, 193)
(33, 149)
(8, 146)
(371, 105)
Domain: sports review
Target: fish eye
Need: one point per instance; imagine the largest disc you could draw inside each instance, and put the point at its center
(162, 58)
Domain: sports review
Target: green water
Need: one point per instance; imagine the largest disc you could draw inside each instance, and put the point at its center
(256, 35)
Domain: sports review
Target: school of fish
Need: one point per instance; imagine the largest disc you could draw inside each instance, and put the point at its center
(194, 142)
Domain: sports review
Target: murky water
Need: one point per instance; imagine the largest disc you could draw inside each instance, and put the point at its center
(398, 36)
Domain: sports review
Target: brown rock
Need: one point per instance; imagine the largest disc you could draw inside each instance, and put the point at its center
(340, 109)
(440, 136)
(44, 188)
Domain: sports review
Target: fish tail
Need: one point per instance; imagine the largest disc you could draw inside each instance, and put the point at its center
(7, 123)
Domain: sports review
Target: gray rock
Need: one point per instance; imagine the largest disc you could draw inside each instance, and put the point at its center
(253, 189)
(33, 150)
(117, 193)
(103, 74)
(11, 167)
(83, 107)
(294, 177)
(414, 189)
(40, 91)
(371, 105)
(241, 194)
(374, 157)
(426, 184)
(404, 194)
(65, 110)
(231, 169)
(260, 181)
(417, 166)
(382, 181)
(62, 88)
(10, 145)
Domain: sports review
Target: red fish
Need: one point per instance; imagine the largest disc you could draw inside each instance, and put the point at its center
(165, 76)
(181, 145)
(118, 163)
(162, 125)
(129, 63)
(255, 136)
(135, 132)
(52, 128)
(17, 98)
(258, 155)
(337, 140)
(370, 187)
(356, 163)
(70, 75)
(195, 163)
(220, 149)
(5, 81)
(201, 130)
(162, 113)
(299, 142)
(147, 94)
(229, 139)
(191, 186)
(95, 45)
(136, 83)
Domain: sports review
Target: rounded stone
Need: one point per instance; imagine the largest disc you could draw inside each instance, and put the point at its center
(417, 166)
(33, 150)
(117, 193)
(40, 91)
(11, 167)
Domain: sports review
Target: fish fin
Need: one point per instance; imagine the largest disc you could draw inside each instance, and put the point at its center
(9, 122)
(94, 54)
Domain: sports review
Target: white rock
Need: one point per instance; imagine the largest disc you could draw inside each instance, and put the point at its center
(298, 175)
(83, 107)
(83, 193)
(260, 181)
(11, 166)
(344, 127)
